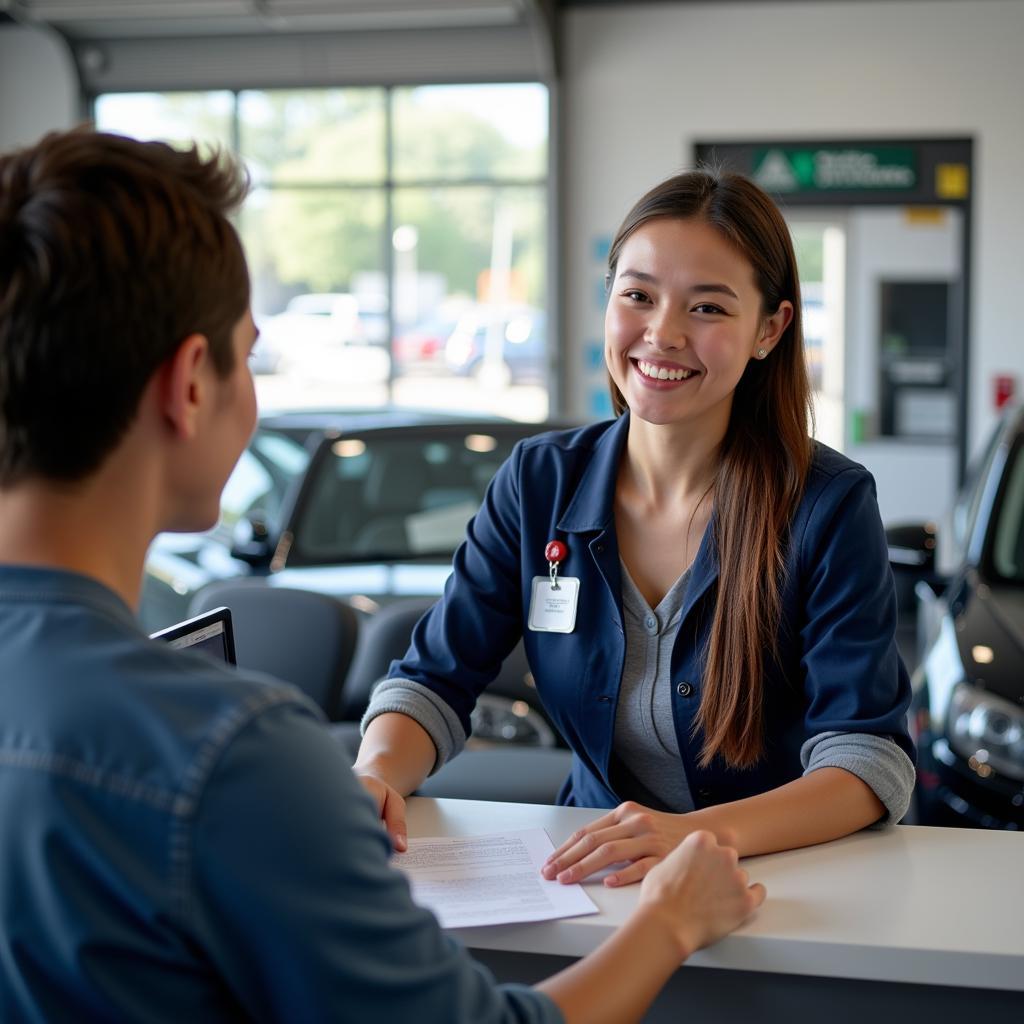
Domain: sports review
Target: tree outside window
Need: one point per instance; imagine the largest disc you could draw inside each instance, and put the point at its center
(395, 236)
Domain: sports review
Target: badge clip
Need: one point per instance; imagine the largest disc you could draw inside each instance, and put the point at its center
(555, 552)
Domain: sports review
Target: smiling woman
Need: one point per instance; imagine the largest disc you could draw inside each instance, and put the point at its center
(721, 652)
(683, 243)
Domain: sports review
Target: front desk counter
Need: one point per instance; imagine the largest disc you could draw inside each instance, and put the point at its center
(901, 925)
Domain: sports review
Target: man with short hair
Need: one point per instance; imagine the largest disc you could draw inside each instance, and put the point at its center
(180, 840)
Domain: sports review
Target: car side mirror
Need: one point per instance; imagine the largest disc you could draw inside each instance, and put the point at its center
(912, 549)
(912, 546)
(251, 540)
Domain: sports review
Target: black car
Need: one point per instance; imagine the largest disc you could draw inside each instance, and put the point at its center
(366, 506)
(968, 707)
(291, 496)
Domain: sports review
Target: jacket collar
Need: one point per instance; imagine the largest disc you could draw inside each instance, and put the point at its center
(46, 584)
(592, 506)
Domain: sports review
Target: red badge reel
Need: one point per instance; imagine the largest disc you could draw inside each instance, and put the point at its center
(555, 551)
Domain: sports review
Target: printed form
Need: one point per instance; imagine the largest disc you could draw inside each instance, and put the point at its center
(494, 879)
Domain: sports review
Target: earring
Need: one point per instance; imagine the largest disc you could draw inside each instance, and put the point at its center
(761, 353)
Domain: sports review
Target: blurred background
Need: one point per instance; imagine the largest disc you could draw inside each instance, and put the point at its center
(435, 187)
(435, 183)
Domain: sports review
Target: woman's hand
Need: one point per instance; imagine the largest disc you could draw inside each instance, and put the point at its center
(631, 833)
(390, 806)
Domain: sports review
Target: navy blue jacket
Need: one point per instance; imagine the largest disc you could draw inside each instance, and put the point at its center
(838, 670)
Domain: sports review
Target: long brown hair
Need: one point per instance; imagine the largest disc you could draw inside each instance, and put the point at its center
(766, 453)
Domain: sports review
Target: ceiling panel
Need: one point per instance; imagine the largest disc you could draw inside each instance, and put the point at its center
(112, 19)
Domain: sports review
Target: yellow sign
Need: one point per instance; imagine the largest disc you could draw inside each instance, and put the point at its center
(925, 216)
(952, 181)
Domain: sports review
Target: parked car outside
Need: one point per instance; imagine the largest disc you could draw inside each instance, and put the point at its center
(499, 345)
(967, 714)
(364, 505)
(328, 334)
(372, 319)
(313, 318)
(421, 347)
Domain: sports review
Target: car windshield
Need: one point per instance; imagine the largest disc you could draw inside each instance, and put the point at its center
(398, 494)
(1008, 538)
(261, 479)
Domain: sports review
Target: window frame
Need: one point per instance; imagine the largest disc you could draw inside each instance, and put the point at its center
(391, 186)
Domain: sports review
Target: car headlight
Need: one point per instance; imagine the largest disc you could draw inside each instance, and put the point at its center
(988, 731)
(497, 719)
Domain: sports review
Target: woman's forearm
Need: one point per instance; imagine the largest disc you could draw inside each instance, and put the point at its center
(397, 750)
(826, 804)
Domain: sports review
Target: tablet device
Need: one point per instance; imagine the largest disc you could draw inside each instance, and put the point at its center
(210, 633)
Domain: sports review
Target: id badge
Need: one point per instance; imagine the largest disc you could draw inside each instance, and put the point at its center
(553, 609)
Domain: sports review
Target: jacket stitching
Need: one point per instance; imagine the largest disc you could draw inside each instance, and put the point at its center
(90, 775)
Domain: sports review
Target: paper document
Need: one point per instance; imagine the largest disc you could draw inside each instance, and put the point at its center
(493, 879)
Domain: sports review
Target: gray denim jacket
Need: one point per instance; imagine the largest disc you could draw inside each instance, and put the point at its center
(180, 841)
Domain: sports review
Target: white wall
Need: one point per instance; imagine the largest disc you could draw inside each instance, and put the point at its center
(38, 85)
(644, 81)
(883, 244)
(915, 480)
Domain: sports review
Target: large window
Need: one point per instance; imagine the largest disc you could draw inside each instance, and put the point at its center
(396, 237)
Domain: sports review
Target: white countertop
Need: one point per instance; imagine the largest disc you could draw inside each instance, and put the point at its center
(936, 906)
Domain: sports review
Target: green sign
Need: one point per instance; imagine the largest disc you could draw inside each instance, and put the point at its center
(835, 169)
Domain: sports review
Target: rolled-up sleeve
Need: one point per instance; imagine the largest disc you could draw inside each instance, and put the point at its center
(425, 708)
(853, 677)
(877, 761)
(291, 896)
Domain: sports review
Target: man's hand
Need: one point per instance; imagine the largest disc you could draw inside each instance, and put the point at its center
(693, 897)
(701, 891)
